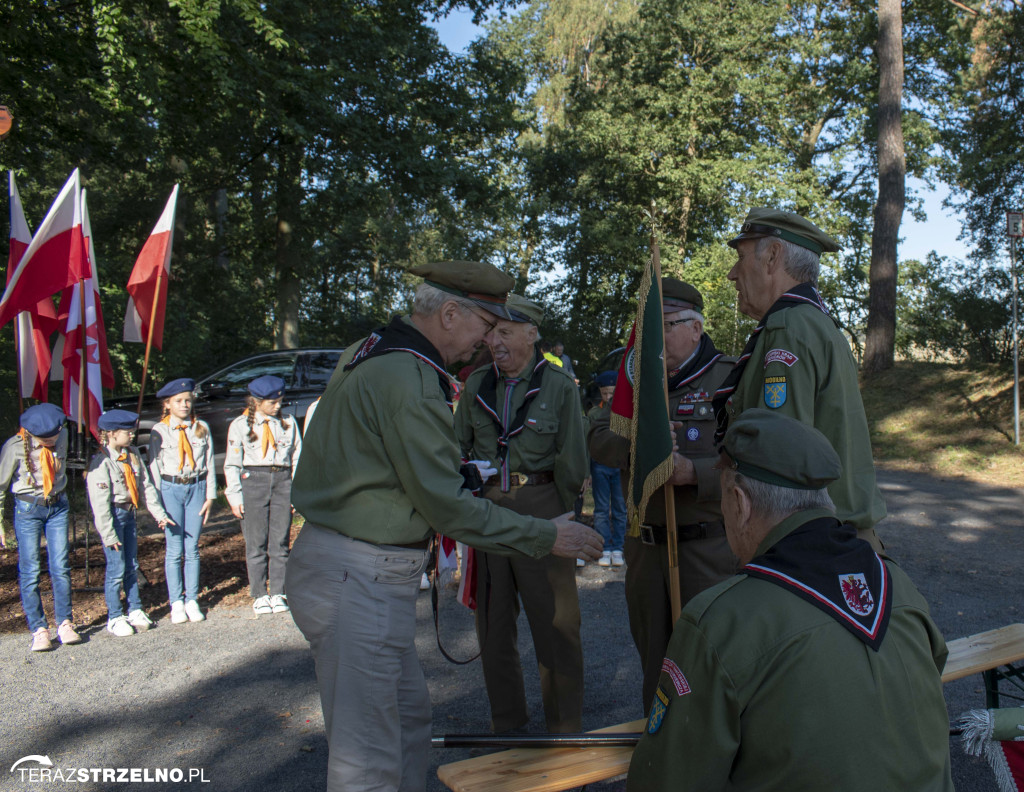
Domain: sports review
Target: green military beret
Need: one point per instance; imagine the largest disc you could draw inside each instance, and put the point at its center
(483, 284)
(792, 227)
(523, 310)
(679, 296)
(780, 450)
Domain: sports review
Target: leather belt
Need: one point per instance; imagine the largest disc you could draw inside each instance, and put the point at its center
(179, 479)
(658, 534)
(35, 500)
(423, 544)
(267, 468)
(523, 479)
(128, 505)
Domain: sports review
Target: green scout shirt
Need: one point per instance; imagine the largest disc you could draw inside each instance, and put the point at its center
(802, 367)
(552, 438)
(768, 692)
(383, 464)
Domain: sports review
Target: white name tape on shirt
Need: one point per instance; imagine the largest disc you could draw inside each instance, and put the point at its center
(780, 356)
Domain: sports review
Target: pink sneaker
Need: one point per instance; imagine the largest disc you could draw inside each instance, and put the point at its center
(66, 633)
(41, 640)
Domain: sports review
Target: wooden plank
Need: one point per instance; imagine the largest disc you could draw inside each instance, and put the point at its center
(540, 769)
(977, 653)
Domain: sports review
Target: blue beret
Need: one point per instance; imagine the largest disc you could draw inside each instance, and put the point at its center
(267, 387)
(113, 420)
(606, 378)
(42, 420)
(176, 386)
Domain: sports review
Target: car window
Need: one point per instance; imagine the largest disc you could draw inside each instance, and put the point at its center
(316, 369)
(237, 378)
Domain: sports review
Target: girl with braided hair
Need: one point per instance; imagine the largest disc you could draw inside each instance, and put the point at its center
(33, 464)
(263, 450)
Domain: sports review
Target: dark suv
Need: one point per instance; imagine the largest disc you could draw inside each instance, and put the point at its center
(220, 396)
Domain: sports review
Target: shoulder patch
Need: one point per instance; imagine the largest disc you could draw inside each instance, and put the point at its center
(780, 356)
(676, 676)
(658, 710)
(774, 392)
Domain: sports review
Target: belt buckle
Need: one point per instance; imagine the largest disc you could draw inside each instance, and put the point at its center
(647, 535)
(518, 479)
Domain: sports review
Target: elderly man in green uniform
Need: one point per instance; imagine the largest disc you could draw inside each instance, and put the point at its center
(522, 415)
(378, 475)
(796, 361)
(695, 370)
(819, 668)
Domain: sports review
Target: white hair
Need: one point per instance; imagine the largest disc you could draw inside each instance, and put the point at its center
(773, 503)
(429, 299)
(689, 313)
(801, 264)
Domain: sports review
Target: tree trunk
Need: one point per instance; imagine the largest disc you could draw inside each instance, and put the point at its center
(287, 253)
(881, 334)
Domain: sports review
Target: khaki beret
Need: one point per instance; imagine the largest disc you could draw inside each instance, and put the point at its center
(523, 310)
(483, 284)
(780, 450)
(678, 296)
(761, 222)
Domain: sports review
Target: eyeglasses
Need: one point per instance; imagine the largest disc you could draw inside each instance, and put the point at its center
(670, 325)
(490, 325)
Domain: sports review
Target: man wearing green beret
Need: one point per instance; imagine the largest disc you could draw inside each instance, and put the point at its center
(522, 416)
(817, 667)
(375, 480)
(695, 369)
(797, 362)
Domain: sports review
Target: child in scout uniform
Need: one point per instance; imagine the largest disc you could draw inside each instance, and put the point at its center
(181, 461)
(118, 484)
(263, 449)
(32, 463)
(609, 502)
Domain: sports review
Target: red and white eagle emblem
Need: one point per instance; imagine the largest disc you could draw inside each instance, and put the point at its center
(857, 594)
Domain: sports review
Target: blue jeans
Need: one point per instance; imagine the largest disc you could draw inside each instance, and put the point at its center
(608, 500)
(182, 503)
(30, 522)
(121, 564)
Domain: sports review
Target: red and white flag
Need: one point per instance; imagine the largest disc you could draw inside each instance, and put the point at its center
(34, 327)
(154, 259)
(88, 334)
(55, 258)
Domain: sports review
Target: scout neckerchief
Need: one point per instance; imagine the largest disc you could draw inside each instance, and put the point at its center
(266, 433)
(699, 363)
(508, 426)
(129, 477)
(184, 444)
(47, 464)
(801, 294)
(400, 336)
(824, 563)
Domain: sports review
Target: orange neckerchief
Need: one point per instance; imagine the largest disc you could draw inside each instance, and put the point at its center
(268, 434)
(46, 462)
(184, 444)
(129, 478)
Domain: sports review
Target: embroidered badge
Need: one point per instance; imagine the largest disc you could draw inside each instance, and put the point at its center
(703, 410)
(102, 485)
(658, 710)
(631, 367)
(692, 434)
(531, 421)
(774, 392)
(780, 356)
(857, 594)
(684, 409)
(678, 680)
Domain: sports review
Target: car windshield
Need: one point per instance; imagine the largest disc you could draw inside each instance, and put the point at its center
(315, 370)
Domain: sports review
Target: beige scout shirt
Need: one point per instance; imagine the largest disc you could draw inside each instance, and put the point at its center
(165, 455)
(12, 468)
(107, 486)
(243, 452)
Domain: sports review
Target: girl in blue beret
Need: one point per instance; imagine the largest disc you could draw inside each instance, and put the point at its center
(33, 464)
(181, 460)
(263, 450)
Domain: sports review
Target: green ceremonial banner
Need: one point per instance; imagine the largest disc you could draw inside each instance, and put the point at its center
(644, 418)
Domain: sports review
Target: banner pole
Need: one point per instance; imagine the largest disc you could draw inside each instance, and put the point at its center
(149, 336)
(17, 363)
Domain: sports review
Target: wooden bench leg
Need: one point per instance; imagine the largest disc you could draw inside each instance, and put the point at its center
(1012, 674)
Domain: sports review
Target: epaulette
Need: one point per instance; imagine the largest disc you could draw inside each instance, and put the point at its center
(697, 607)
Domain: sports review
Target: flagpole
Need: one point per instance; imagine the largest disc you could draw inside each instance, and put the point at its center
(670, 490)
(149, 335)
(83, 403)
(17, 363)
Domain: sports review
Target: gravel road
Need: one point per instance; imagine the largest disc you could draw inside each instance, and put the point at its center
(235, 697)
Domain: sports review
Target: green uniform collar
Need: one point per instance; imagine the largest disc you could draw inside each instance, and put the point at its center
(788, 525)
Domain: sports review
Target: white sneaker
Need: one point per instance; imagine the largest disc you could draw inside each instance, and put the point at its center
(617, 559)
(193, 612)
(120, 627)
(580, 562)
(178, 615)
(262, 606)
(424, 582)
(279, 603)
(605, 559)
(139, 620)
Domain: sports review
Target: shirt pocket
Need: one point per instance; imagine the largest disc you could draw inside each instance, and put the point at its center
(698, 430)
(539, 435)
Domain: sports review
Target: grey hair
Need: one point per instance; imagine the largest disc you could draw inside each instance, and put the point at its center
(429, 299)
(774, 503)
(801, 264)
(689, 313)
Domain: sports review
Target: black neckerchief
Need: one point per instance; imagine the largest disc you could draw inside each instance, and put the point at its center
(703, 359)
(402, 336)
(824, 563)
(487, 397)
(801, 294)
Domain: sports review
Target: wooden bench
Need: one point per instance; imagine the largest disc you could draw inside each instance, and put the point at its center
(993, 653)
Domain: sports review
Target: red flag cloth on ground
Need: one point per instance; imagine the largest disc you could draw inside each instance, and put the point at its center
(88, 333)
(36, 326)
(142, 284)
(55, 258)
(639, 406)
(467, 578)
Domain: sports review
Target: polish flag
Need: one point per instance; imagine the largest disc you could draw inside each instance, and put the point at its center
(54, 259)
(143, 288)
(34, 327)
(98, 371)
